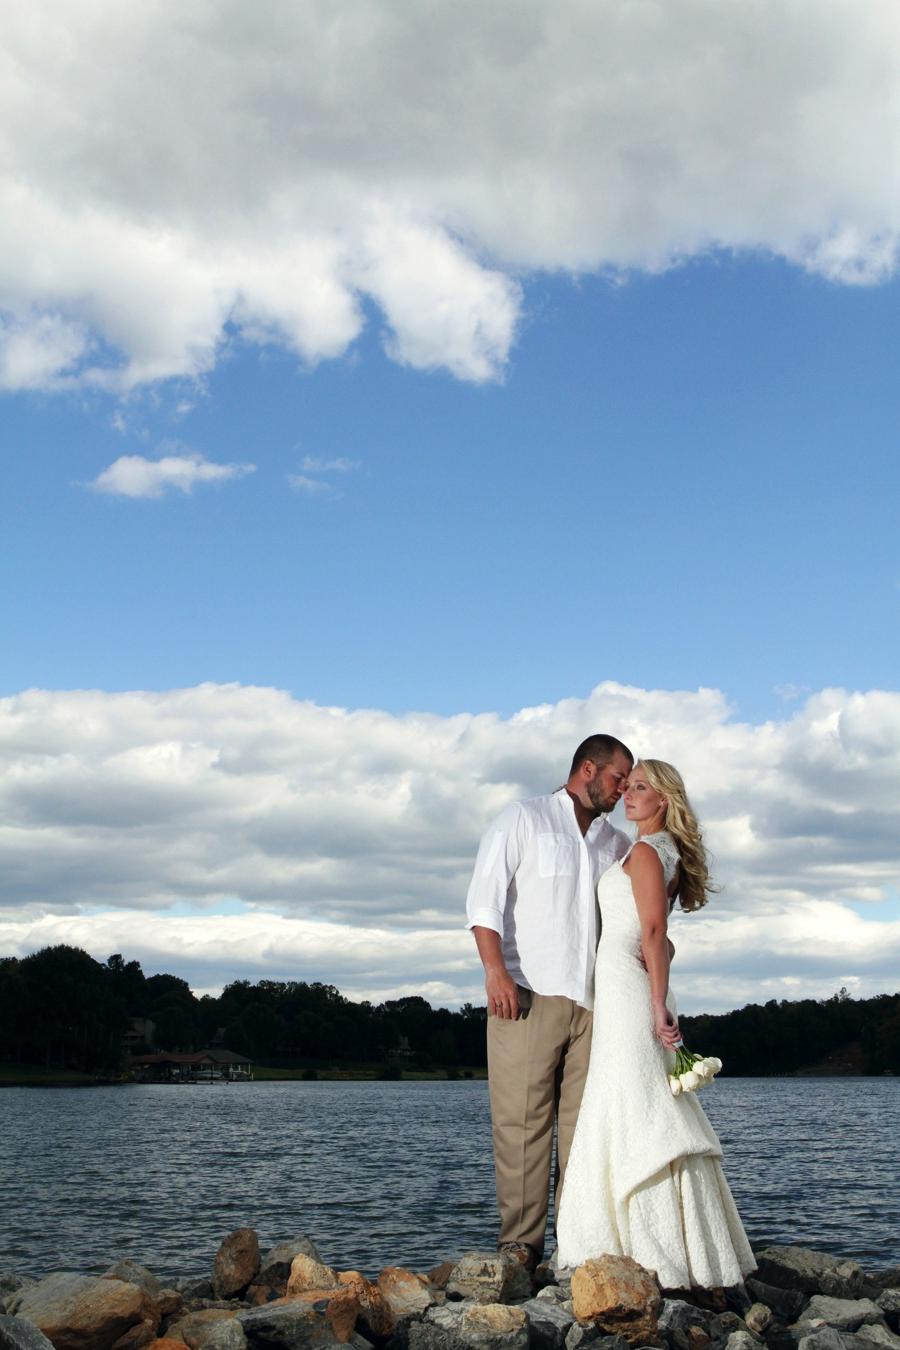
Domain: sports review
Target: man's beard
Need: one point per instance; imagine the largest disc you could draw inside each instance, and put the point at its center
(599, 802)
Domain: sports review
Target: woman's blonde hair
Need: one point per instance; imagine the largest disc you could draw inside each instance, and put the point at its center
(694, 885)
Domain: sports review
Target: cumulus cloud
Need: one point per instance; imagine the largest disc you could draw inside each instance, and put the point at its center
(338, 843)
(178, 176)
(136, 476)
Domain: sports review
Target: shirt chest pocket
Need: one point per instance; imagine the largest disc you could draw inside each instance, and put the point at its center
(556, 855)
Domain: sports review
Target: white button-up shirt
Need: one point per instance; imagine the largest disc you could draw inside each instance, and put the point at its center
(535, 884)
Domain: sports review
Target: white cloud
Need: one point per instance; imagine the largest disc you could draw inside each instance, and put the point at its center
(349, 835)
(135, 476)
(340, 465)
(283, 167)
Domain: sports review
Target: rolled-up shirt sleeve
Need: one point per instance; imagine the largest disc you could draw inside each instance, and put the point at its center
(499, 855)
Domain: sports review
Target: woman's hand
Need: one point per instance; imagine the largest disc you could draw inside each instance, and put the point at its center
(665, 1026)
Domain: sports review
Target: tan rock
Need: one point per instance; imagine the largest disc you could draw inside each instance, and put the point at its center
(758, 1317)
(166, 1343)
(407, 1294)
(309, 1274)
(697, 1338)
(76, 1311)
(489, 1277)
(620, 1297)
(376, 1318)
(169, 1302)
(237, 1262)
(493, 1318)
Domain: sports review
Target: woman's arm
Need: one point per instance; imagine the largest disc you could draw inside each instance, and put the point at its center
(649, 888)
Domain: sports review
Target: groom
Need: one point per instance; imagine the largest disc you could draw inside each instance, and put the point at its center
(533, 910)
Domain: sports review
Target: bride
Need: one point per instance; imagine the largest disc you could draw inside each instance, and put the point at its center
(644, 1177)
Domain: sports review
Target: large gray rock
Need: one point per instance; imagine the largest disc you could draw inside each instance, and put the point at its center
(286, 1326)
(742, 1339)
(17, 1333)
(886, 1279)
(473, 1326)
(889, 1303)
(548, 1323)
(809, 1271)
(879, 1334)
(489, 1277)
(786, 1304)
(844, 1314)
(226, 1336)
(677, 1315)
(83, 1312)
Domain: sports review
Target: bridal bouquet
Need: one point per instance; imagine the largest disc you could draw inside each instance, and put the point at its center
(691, 1072)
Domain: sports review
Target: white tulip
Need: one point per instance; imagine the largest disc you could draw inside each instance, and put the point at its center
(690, 1081)
(675, 1085)
(716, 1063)
(702, 1069)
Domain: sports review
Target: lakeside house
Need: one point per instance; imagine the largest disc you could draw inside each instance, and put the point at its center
(204, 1066)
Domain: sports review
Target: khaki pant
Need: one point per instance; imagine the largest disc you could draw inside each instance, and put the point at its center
(537, 1065)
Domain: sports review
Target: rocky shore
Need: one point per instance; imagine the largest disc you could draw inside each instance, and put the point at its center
(289, 1299)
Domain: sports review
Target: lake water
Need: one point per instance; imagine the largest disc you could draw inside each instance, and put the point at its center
(389, 1173)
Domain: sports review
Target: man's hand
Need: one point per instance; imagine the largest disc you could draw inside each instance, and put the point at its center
(501, 989)
(502, 992)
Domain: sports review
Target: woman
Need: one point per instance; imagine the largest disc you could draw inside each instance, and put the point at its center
(644, 1177)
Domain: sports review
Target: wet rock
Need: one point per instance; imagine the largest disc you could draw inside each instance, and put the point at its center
(18, 1333)
(844, 1314)
(619, 1296)
(75, 1311)
(886, 1279)
(809, 1271)
(287, 1325)
(489, 1277)
(237, 1263)
(306, 1273)
(785, 1303)
(548, 1323)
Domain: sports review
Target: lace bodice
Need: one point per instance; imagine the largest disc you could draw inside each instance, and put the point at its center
(666, 850)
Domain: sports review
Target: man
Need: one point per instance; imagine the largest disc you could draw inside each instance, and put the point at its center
(533, 910)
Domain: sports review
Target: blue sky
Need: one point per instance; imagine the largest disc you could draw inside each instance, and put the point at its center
(681, 480)
(391, 396)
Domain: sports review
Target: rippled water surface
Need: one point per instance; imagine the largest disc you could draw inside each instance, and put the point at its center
(383, 1173)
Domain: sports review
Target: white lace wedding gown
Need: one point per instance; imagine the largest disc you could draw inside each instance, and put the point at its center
(644, 1177)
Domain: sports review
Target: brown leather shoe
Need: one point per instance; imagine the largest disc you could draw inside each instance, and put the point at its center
(521, 1252)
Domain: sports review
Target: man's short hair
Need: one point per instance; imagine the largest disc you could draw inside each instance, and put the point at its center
(600, 749)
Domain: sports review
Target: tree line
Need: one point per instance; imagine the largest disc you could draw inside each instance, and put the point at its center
(62, 1009)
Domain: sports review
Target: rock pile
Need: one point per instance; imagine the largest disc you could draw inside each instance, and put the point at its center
(290, 1299)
